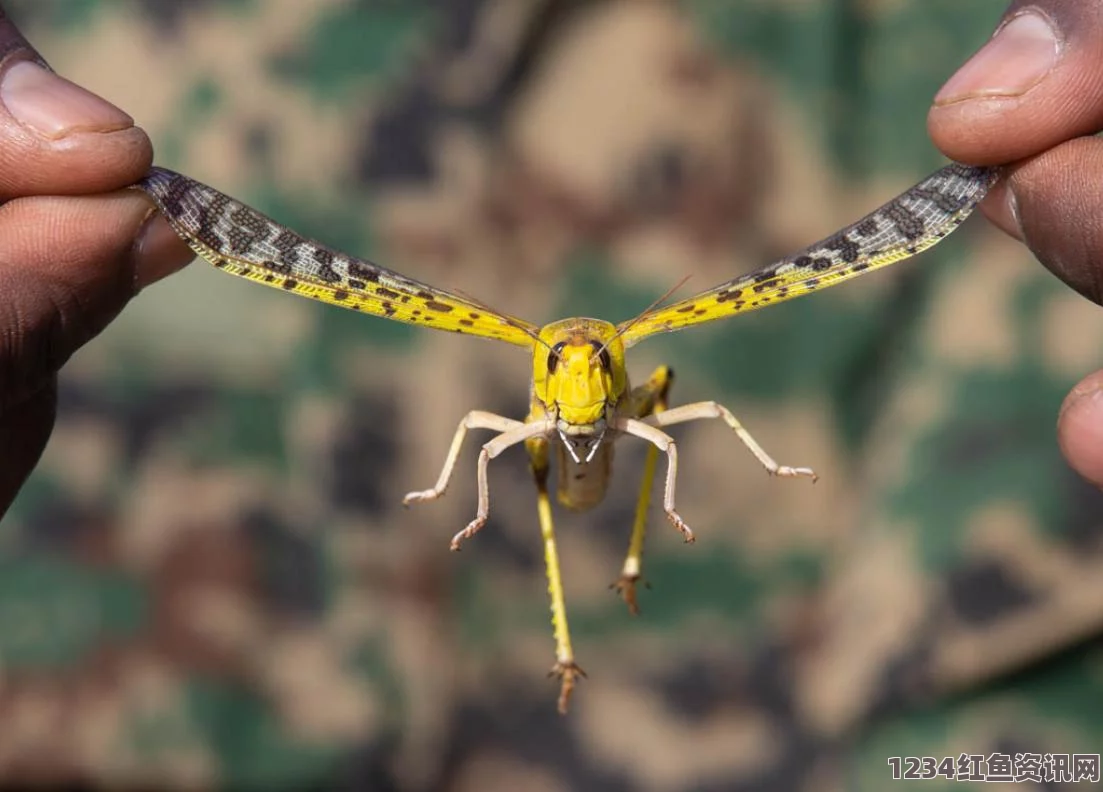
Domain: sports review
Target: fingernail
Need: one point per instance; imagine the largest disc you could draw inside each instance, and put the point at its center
(1086, 393)
(1012, 204)
(55, 107)
(1017, 58)
(1001, 206)
(158, 252)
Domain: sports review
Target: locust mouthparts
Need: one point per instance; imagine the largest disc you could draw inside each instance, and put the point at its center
(582, 440)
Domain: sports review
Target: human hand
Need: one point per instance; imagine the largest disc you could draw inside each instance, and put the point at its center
(1033, 96)
(72, 251)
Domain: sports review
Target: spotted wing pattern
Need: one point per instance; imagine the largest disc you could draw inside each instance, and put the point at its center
(905, 226)
(243, 242)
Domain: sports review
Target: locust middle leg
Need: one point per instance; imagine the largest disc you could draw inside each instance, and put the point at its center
(510, 433)
(648, 429)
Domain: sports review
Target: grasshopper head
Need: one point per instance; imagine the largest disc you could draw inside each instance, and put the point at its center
(578, 376)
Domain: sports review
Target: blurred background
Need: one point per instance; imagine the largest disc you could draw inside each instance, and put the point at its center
(210, 581)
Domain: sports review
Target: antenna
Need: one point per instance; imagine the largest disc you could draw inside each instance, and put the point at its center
(627, 325)
(512, 322)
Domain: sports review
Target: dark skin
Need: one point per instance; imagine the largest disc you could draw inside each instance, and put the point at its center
(1050, 197)
(74, 249)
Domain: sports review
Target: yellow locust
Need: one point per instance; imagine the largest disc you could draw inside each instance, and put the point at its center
(581, 397)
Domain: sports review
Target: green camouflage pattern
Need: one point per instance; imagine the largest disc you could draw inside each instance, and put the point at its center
(209, 582)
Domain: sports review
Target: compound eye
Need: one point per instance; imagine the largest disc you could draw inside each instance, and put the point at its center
(554, 355)
(603, 355)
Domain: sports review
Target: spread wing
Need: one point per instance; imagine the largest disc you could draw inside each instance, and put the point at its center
(243, 242)
(909, 224)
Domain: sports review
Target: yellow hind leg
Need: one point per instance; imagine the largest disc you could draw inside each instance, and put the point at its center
(565, 667)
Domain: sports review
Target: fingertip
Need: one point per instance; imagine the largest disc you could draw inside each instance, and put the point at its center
(1080, 428)
(112, 249)
(1059, 209)
(961, 132)
(58, 138)
(1021, 53)
(1033, 85)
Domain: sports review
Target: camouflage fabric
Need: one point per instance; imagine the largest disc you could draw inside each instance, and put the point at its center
(209, 582)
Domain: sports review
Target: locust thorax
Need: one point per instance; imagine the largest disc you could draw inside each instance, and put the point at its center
(579, 378)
